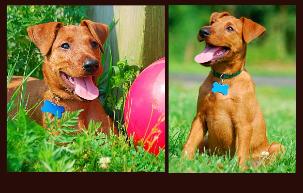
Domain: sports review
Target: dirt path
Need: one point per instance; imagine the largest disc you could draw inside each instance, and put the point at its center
(189, 79)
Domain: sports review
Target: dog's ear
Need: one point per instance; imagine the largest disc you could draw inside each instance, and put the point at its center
(43, 35)
(99, 31)
(216, 15)
(251, 29)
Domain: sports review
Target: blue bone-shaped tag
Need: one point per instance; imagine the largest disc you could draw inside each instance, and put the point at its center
(52, 108)
(221, 88)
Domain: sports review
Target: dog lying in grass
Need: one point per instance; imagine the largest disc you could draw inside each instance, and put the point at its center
(72, 64)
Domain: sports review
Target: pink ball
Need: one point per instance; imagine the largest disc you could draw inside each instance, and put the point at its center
(144, 111)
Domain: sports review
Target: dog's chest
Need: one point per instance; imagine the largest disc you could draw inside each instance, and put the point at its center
(216, 102)
(217, 110)
(71, 106)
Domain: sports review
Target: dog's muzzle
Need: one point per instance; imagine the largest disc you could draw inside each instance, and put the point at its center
(91, 66)
(203, 33)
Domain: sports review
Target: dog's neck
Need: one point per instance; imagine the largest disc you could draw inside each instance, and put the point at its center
(51, 96)
(229, 67)
(68, 104)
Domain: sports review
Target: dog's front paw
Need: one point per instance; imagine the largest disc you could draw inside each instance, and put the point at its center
(243, 164)
(188, 153)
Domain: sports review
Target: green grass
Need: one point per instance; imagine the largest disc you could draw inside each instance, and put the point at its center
(31, 148)
(279, 108)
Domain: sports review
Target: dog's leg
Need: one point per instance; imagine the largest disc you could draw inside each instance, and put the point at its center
(96, 112)
(195, 137)
(243, 137)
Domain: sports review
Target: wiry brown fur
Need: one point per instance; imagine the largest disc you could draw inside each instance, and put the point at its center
(48, 38)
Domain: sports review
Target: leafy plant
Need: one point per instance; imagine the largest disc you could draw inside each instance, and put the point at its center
(32, 148)
(115, 82)
(119, 83)
(24, 139)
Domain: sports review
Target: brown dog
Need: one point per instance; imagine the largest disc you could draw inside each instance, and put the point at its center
(72, 63)
(227, 107)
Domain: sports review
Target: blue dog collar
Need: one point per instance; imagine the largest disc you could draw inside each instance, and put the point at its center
(49, 107)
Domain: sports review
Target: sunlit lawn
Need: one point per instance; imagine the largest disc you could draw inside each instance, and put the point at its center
(279, 108)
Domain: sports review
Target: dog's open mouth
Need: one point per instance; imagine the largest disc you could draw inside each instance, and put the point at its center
(84, 87)
(211, 53)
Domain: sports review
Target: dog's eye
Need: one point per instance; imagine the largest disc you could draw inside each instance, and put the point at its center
(65, 46)
(94, 44)
(229, 28)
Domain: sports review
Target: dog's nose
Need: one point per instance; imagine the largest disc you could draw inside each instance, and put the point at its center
(204, 31)
(90, 65)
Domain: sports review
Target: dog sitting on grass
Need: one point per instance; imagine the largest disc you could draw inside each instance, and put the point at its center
(227, 107)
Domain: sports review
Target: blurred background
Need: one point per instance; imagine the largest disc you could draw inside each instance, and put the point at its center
(272, 54)
(270, 59)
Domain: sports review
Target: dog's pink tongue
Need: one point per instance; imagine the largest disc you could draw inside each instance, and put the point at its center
(85, 88)
(207, 54)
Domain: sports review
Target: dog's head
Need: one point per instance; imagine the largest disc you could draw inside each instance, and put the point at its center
(72, 57)
(226, 38)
